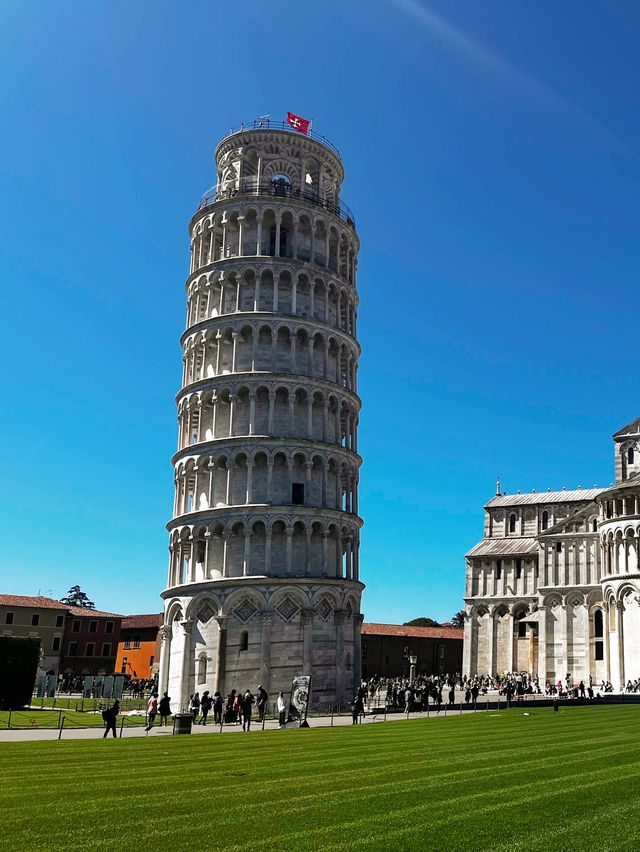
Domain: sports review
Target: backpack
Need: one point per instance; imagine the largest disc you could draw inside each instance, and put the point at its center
(105, 715)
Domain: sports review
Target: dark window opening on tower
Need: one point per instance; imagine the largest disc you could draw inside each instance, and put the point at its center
(598, 625)
(522, 630)
(599, 651)
(518, 568)
(244, 640)
(545, 520)
(297, 493)
(281, 186)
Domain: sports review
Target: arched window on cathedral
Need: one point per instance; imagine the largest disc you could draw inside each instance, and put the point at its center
(244, 640)
(630, 455)
(594, 525)
(545, 519)
(512, 522)
(202, 668)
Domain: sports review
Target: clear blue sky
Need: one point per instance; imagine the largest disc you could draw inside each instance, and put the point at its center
(491, 152)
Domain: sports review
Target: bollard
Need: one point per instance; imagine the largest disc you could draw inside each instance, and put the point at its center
(122, 726)
(427, 708)
(61, 727)
(332, 709)
(9, 719)
(60, 718)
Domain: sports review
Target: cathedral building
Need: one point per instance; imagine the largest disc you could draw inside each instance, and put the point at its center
(553, 588)
(264, 580)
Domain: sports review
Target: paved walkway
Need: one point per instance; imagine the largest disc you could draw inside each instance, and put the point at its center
(15, 735)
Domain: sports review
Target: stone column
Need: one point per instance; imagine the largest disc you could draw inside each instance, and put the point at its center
(620, 635)
(511, 641)
(246, 560)
(542, 646)
(357, 651)
(307, 641)
(265, 649)
(221, 653)
(186, 665)
(338, 618)
(607, 640)
(466, 646)
(492, 644)
(165, 655)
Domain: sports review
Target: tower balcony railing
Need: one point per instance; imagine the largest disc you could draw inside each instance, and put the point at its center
(250, 188)
(268, 124)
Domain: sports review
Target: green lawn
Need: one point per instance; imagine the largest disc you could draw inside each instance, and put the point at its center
(569, 780)
(30, 719)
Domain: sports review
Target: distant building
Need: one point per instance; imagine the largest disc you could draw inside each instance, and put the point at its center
(553, 588)
(387, 648)
(36, 617)
(90, 642)
(139, 646)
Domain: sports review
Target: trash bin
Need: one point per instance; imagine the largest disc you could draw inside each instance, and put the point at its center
(182, 723)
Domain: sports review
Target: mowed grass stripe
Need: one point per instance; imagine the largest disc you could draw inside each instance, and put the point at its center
(329, 788)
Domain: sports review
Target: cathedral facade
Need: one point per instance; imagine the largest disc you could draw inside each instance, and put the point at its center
(553, 588)
(263, 581)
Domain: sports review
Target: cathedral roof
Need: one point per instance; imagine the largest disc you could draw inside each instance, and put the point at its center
(539, 497)
(411, 631)
(513, 545)
(629, 429)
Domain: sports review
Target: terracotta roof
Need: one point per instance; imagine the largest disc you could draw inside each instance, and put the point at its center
(32, 601)
(141, 621)
(85, 612)
(504, 546)
(416, 632)
(539, 497)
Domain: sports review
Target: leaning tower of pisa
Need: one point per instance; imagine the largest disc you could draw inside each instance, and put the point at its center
(263, 578)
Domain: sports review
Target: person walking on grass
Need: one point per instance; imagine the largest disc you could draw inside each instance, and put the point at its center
(164, 707)
(247, 704)
(194, 705)
(217, 708)
(282, 711)
(110, 715)
(205, 706)
(152, 710)
(261, 702)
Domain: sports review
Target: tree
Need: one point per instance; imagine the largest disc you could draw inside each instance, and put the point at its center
(76, 597)
(458, 620)
(421, 622)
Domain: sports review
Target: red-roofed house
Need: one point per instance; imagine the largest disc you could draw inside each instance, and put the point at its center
(139, 646)
(386, 649)
(36, 617)
(90, 641)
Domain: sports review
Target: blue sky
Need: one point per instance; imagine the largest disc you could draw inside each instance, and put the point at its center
(491, 152)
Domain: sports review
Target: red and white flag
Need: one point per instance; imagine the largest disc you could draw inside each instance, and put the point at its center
(298, 123)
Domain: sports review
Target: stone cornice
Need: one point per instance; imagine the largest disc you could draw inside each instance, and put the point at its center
(234, 583)
(241, 443)
(252, 512)
(267, 379)
(273, 263)
(237, 319)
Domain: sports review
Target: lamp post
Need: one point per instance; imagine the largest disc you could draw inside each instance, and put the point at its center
(412, 670)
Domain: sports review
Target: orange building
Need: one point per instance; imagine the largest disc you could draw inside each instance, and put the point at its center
(139, 646)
